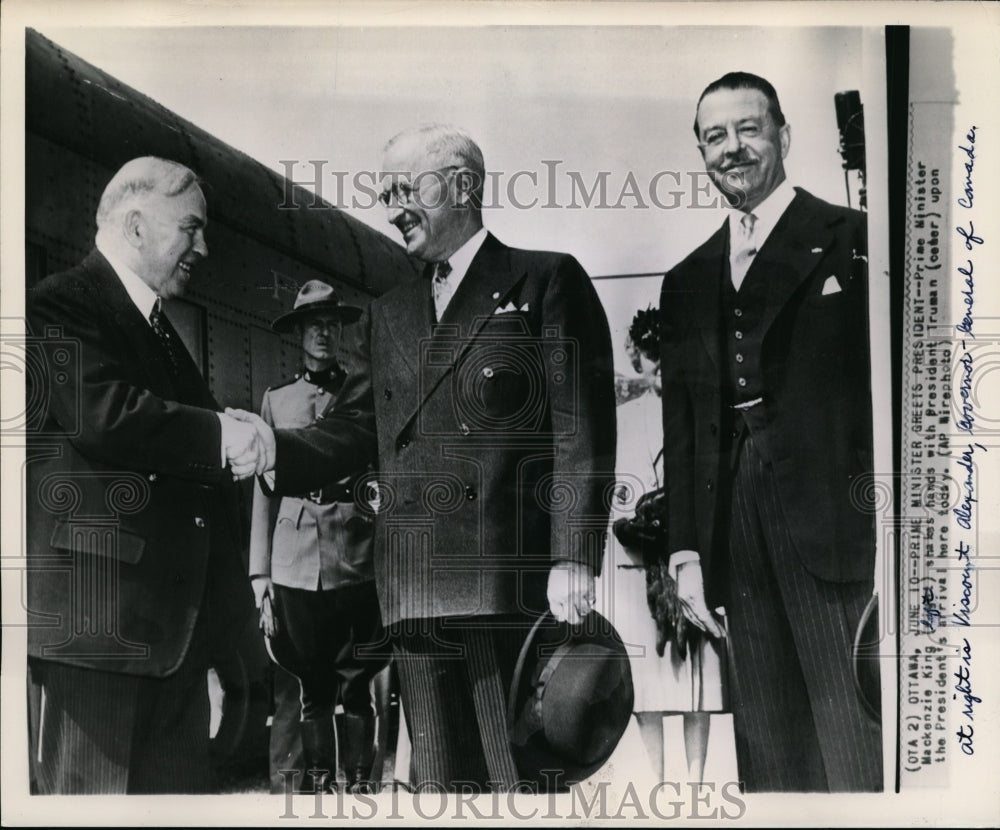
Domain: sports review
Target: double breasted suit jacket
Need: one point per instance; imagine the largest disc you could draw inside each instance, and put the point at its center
(296, 541)
(816, 429)
(133, 524)
(494, 432)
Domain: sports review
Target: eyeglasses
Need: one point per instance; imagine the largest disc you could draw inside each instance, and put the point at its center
(405, 193)
(717, 136)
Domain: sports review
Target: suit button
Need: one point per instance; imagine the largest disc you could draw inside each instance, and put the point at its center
(153, 476)
(464, 429)
(738, 312)
(739, 358)
(488, 372)
(742, 381)
(710, 485)
(470, 493)
(404, 444)
(199, 521)
(739, 335)
(388, 394)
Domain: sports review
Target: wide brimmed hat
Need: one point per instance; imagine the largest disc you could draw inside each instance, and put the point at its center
(315, 296)
(570, 700)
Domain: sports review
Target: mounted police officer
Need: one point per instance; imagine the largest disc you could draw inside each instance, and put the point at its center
(311, 570)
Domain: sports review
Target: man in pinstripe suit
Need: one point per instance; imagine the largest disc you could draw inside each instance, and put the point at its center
(486, 393)
(134, 526)
(767, 431)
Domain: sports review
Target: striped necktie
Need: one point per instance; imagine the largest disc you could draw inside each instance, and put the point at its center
(744, 249)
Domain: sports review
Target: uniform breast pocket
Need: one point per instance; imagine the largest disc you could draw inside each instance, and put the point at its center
(287, 538)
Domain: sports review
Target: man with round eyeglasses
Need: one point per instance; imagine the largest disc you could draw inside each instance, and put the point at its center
(486, 393)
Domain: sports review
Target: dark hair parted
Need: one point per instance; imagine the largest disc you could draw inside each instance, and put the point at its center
(745, 80)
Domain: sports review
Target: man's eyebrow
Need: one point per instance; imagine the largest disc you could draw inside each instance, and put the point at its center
(191, 219)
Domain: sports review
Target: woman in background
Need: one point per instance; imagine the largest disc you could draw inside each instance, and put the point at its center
(685, 675)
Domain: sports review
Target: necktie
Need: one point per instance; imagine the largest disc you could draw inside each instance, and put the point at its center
(442, 288)
(157, 320)
(744, 248)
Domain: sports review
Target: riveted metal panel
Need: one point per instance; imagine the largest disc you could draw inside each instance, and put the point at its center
(108, 122)
(60, 200)
(274, 360)
(229, 361)
(260, 253)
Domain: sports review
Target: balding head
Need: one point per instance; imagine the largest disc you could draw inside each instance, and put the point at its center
(151, 218)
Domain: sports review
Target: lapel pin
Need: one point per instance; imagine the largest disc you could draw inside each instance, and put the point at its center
(817, 250)
(496, 295)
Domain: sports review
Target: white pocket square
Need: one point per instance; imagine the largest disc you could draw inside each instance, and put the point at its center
(510, 307)
(831, 286)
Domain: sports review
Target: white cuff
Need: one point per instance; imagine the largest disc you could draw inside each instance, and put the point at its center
(678, 558)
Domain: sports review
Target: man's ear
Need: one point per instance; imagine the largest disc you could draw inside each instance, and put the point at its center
(466, 183)
(785, 137)
(134, 228)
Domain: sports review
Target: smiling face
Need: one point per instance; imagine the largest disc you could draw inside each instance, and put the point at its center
(169, 239)
(434, 220)
(742, 146)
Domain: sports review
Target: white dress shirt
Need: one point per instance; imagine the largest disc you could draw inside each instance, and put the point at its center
(460, 262)
(145, 299)
(768, 213)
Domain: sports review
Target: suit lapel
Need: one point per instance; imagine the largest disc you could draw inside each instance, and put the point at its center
(487, 284)
(431, 351)
(791, 253)
(711, 267)
(144, 346)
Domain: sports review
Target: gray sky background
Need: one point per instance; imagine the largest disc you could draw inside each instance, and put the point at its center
(544, 102)
(592, 98)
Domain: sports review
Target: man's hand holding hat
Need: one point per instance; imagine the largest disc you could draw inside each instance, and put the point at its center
(570, 591)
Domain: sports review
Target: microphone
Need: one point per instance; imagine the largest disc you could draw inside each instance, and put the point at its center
(851, 124)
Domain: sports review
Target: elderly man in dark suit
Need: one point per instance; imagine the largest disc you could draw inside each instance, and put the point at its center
(767, 431)
(486, 393)
(133, 518)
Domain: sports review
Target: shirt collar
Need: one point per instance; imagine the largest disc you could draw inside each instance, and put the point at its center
(142, 295)
(767, 212)
(462, 258)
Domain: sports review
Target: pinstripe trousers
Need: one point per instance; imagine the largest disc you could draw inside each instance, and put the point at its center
(454, 678)
(97, 732)
(799, 723)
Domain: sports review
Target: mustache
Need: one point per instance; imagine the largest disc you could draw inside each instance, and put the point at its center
(734, 160)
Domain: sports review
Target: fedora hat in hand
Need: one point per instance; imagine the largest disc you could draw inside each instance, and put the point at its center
(315, 296)
(570, 700)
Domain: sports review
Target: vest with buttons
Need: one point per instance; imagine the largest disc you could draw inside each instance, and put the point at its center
(743, 313)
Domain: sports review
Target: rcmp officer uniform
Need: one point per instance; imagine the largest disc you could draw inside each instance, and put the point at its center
(314, 552)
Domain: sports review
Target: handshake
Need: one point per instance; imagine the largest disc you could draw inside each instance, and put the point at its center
(248, 443)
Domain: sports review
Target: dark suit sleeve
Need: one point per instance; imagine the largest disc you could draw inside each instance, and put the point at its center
(678, 419)
(583, 413)
(344, 441)
(104, 410)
